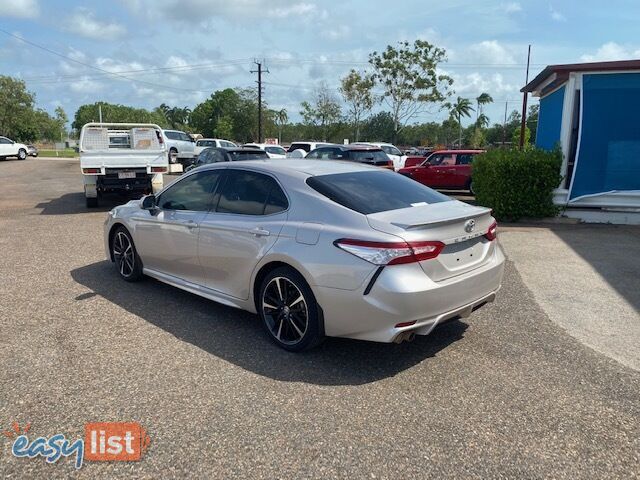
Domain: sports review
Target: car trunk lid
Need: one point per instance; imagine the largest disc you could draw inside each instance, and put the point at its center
(461, 227)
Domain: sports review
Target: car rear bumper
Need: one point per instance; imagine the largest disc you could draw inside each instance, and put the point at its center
(403, 293)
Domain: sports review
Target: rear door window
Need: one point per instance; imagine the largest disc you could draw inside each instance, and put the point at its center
(298, 146)
(374, 191)
(251, 193)
(464, 159)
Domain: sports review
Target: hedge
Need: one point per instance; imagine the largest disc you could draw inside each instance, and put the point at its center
(517, 183)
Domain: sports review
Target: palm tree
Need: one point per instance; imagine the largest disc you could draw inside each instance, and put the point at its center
(462, 108)
(483, 99)
(482, 121)
(281, 118)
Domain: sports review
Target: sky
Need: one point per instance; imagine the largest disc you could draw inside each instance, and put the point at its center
(179, 51)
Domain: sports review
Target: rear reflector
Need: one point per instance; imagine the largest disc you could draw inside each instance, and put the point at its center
(158, 169)
(492, 233)
(405, 324)
(90, 170)
(390, 253)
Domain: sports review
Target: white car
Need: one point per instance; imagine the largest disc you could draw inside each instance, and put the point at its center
(397, 157)
(9, 148)
(274, 151)
(180, 146)
(304, 146)
(212, 142)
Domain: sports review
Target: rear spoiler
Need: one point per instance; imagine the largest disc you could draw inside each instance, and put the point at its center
(441, 213)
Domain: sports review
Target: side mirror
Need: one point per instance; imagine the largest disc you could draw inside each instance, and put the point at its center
(149, 203)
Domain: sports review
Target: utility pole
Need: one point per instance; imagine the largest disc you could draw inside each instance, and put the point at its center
(100, 112)
(259, 71)
(524, 104)
(504, 124)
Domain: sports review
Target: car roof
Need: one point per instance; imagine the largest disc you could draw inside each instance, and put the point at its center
(458, 151)
(298, 167)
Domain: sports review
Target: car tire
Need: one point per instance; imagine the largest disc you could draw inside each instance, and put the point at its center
(470, 187)
(22, 154)
(92, 202)
(173, 158)
(289, 310)
(125, 255)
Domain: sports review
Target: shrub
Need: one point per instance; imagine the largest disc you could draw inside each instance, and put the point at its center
(517, 183)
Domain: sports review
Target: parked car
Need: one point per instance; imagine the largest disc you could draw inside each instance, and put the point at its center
(315, 248)
(32, 151)
(215, 155)
(353, 153)
(9, 148)
(306, 146)
(211, 142)
(393, 152)
(446, 169)
(180, 145)
(274, 151)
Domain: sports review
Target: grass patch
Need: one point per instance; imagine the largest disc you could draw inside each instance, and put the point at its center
(66, 153)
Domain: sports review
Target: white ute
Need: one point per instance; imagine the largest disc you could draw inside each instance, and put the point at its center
(122, 158)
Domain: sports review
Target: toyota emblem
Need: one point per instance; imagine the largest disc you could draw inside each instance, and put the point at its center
(469, 225)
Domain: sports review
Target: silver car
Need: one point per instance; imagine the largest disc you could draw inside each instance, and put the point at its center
(315, 248)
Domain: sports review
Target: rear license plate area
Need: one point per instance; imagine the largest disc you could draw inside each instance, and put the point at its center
(124, 175)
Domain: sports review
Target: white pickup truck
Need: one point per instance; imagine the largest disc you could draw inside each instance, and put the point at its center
(122, 158)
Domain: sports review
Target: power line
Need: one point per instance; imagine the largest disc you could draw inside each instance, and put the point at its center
(92, 66)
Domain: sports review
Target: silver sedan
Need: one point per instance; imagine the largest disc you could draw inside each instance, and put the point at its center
(315, 248)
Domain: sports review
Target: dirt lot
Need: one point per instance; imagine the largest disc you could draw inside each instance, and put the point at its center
(507, 393)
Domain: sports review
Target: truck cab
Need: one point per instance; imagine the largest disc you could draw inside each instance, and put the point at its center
(122, 158)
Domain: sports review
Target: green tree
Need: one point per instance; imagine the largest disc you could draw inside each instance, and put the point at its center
(408, 75)
(461, 108)
(280, 118)
(322, 112)
(379, 127)
(357, 91)
(482, 100)
(515, 137)
(115, 113)
(16, 107)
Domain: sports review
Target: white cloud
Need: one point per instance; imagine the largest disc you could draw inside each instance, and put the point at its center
(84, 23)
(19, 8)
(611, 51)
(488, 51)
(85, 85)
(556, 16)
(202, 10)
(512, 7)
(336, 33)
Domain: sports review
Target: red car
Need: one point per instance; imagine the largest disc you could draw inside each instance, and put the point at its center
(446, 169)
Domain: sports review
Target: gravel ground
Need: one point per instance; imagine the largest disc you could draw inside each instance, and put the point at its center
(505, 394)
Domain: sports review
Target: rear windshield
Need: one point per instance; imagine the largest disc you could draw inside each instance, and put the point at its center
(368, 156)
(373, 192)
(248, 155)
(206, 143)
(300, 146)
(275, 150)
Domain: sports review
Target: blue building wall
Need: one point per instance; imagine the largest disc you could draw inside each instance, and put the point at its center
(550, 120)
(609, 151)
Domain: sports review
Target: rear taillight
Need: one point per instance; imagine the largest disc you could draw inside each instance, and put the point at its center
(90, 170)
(159, 135)
(390, 253)
(158, 169)
(492, 233)
(389, 164)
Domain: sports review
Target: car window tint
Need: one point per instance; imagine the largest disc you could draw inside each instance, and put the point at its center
(227, 144)
(275, 150)
(301, 146)
(448, 160)
(248, 155)
(250, 193)
(194, 192)
(464, 158)
(314, 153)
(374, 191)
(4, 140)
(368, 156)
(171, 135)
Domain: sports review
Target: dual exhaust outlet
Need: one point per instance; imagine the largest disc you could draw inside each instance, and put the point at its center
(404, 337)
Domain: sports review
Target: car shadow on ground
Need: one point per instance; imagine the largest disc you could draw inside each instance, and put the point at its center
(237, 336)
(71, 203)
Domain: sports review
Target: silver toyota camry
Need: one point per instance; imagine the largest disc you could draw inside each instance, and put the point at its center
(316, 248)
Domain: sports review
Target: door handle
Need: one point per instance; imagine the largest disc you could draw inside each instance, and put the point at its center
(190, 224)
(259, 232)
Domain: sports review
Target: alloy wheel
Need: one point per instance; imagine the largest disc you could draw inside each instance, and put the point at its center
(123, 254)
(285, 310)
